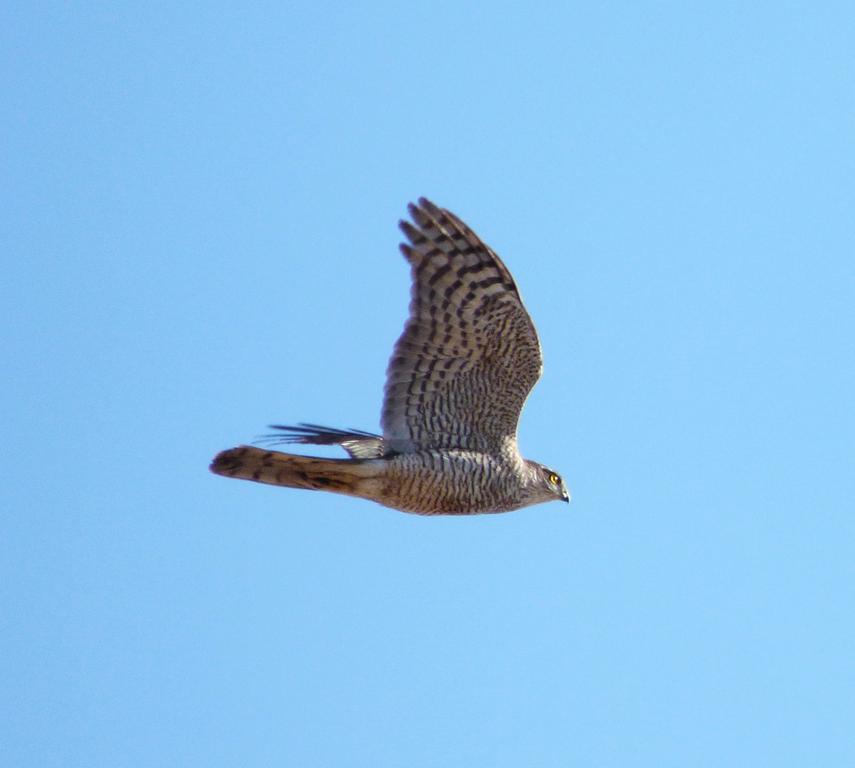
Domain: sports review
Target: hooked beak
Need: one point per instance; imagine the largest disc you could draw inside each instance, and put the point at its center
(565, 496)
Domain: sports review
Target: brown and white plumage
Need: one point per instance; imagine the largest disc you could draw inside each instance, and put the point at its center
(455, 386)
(469, 354)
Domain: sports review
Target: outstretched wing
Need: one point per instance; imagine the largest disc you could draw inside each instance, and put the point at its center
(469, 354)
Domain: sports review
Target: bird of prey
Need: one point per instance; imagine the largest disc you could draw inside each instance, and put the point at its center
(455, 386)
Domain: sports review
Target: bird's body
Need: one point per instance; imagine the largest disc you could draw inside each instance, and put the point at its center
(457, 482)
(453, 482)
(456, 383)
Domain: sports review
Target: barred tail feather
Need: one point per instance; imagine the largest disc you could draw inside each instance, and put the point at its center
(355, 477)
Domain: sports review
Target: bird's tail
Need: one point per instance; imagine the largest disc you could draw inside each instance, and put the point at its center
(355, 477)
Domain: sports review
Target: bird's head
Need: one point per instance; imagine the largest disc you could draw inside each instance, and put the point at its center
(547, 483)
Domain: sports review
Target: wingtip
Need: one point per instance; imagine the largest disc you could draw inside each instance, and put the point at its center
(430, 207)
(423, 206)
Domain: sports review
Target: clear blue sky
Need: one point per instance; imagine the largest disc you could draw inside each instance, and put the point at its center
(199, 208)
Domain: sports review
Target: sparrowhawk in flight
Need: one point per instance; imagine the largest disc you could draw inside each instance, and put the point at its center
(456, 383)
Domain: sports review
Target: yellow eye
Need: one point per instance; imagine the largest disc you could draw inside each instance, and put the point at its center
(554, 479)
